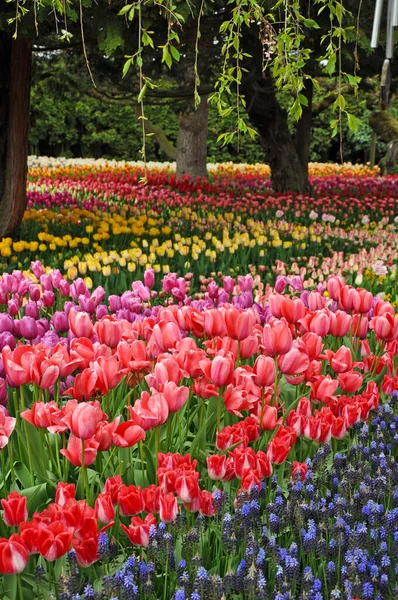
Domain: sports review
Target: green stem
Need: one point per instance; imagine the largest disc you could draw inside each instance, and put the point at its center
(19, 587)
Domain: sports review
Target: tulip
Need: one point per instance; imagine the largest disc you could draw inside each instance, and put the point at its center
(54, 540)
(128, 434)
(84, 419)
(186, 486)
(13, 555)
(149, 410)
(269, 418)
(74, 451)
(277, 338)
(220, 370)
(151, 498)
(130, 500)
(239, 323)
(108, 331)
(299, 470)
(216, 466)
(104, 510)
(7, 425)
(350, 381)
(341, 360)
(264, 370)
(80, 324)
(339, 323)
(294, 362)
(64, 492)
(323, 388)
(138, 530)
(168, 508)
(112, 487)
(15, 510)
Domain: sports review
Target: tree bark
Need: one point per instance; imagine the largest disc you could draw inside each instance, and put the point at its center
(384, 125)
(304, 127)
(287, 172)
(15, 79)
(192, 142)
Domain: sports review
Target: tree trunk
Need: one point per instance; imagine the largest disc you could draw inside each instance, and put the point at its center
(303, 129)
(15, 78)
(287, 172)
(192, 142)
(384, 125)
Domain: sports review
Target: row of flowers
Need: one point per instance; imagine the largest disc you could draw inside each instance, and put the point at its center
(234, 384)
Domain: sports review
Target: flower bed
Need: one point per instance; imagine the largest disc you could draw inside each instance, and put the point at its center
(187, 372)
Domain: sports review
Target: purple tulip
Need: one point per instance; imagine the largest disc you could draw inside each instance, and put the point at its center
(13, 307)
(31, 310)
(28, 328)
(64, 288)
(59, 321)
(101, 311)
(34, 292)
(6, 323)
(228, 284)
(48, 298)
(7, 339)
(115, 303)
(86, 304)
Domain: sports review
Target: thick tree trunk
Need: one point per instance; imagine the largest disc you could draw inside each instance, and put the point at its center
(192, 142)
(304, 126)
(384, 125)
(15, 78)
(287, 172)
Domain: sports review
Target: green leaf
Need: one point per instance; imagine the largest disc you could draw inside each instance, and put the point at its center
(126, 66)
(175, 54)
(36, 496)
(150, 464)
(125, 9)
(166, 56)
(353, 122)
(311, 23)
(142, 92)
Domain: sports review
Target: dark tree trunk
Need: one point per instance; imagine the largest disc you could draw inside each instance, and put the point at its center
(384, 125)
(192, 142)
(287, 172)
(304, 126)
(15, 78)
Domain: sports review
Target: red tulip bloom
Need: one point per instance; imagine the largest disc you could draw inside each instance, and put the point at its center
(277, 337)
(339, 428)
(269, 418)
(149, 411)
(128, 434)
(151, 497)
(264, 465)
(339, 323)
(214, 323)
(292, 309)
(112, 487)
(104, 510)
(54, 540)
(166, 335)
(313, 343)
(45, 415)
(186, 485)
(175, 395)
(64, 492)
(84, 385)
(86, 550)
(138, 530)
(264, 370)
(83, 420)
(13, 555)
(294, 362)
(15, 510)
(350, 381)
(130, 500)
(105, 434)
(80, 324)
(7, 425)
(340, 361)
(384, 326)
(323, 388)
(220, 370)
(168, 507)
(239, 323)
(299, 470)
(109, 331)
(74, 451)
(216, 467)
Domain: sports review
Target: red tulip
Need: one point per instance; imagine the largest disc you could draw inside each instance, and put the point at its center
(104, 510)
(264, 465)
(130, 500)
(45, 415)
(339, 428)
(13, 555)
(362, 301)
(359, 326)
(384, 326)
(292, 309)
(186, 485)
(168, 507)
(175, 395)
(350, 381)
(299, 470)
(64, 492)
(340, 361)
(166, 335)
(84, 419)
(269, 418)
(15, 510)
(214, 323)
(84, 385)
(105, 434)
(80, 324)
(138, 530)
(339, 323)
(108, 331)
(112, 487)
(264, 370)
(294, 362)
(216, 467)
(151, 498)
(149, 411)
(277, 337)
(74, 451)
(220, 370)
(207, 505)
(128, 434)
(86, 550)
(323, 388)
(239, 323)
(54, 540)
(7, 425)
